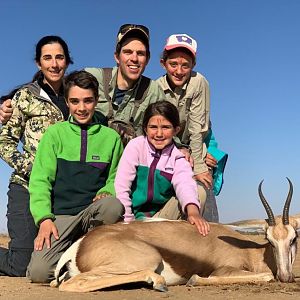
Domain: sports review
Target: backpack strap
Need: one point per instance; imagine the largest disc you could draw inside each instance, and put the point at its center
(107, 75)
(141, 95)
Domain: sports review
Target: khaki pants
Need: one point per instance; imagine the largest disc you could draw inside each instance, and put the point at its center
(172, 209)
(42, 264)
(207, 199)
(202, 196)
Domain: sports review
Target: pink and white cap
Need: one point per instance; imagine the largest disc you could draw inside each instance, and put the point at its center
(181, 40)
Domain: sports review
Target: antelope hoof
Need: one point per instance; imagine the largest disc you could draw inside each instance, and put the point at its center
(160, 287)
(54, 283)
(158, 282)
(193, 280)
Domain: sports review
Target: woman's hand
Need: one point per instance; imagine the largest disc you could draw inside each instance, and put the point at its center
(47, 228)
(5, 111)
(194, 218)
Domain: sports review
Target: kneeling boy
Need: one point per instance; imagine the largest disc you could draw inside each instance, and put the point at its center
(72, 180)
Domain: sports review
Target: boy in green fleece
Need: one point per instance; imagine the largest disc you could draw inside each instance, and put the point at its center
(72, 180)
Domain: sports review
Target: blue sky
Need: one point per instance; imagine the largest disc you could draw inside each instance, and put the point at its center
(248, 50)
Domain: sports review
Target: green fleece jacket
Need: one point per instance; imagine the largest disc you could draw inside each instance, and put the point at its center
(73, 164)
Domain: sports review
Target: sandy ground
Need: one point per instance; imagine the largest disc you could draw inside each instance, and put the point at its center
(21, 288)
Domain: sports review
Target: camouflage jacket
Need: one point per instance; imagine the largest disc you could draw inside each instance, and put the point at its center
(33, 113)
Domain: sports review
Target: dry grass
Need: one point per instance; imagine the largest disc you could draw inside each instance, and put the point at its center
(4, 239)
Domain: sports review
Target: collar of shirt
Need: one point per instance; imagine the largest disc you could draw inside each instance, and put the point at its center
(46, 87)
(58, 100)
(166, 151)
(177, 90)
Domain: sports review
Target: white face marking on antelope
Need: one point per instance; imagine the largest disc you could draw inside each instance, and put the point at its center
(283, 239)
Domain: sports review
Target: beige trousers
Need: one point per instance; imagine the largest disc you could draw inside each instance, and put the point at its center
(172, 209)
(207, 199)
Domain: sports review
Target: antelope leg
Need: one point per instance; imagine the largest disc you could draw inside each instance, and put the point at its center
(91, 281)
(248, 277)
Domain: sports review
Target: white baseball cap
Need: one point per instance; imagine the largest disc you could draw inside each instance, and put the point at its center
(181, 40)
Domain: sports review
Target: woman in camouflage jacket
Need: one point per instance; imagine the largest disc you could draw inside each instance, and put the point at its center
(36, 106)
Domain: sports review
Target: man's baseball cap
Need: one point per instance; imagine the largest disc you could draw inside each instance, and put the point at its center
(133, 30)
(181, 40)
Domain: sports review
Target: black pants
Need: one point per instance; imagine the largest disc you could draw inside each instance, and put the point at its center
(22, 232)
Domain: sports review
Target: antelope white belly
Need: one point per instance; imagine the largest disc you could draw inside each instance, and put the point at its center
(170, 276)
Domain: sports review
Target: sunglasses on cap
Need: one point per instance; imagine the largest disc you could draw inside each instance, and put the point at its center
(127, 27)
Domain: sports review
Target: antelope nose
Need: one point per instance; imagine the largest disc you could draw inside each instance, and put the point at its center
(285, 277)
(291, 278)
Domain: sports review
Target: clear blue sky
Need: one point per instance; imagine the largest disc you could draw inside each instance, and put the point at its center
(248, 50)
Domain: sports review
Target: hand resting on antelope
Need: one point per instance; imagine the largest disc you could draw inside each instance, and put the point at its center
(173, 253)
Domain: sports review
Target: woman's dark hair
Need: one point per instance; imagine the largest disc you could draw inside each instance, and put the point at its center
(11, 94)
(163, 108)
(82, 79)
(51, 39)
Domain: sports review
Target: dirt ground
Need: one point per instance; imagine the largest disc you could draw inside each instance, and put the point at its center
(21, 288)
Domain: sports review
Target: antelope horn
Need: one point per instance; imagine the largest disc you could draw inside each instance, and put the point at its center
(286, 208)
(271, 219)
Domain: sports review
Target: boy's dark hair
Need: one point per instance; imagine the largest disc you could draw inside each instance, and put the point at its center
(82, 79)
(163, 108)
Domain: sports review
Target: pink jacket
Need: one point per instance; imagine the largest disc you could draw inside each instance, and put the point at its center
(172, 165)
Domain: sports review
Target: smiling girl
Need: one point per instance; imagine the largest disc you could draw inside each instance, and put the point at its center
(152, 170)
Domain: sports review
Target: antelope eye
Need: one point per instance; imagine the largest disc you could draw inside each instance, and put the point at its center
(293, 241)
(269, 241)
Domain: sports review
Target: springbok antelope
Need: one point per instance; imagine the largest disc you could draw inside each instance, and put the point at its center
(173, 253)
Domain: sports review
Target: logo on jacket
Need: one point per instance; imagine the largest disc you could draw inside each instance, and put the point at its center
(95, 157)
(169, 169)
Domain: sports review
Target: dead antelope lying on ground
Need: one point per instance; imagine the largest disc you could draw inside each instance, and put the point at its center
(173, 252)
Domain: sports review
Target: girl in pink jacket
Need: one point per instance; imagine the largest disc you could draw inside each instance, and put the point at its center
(152, 170)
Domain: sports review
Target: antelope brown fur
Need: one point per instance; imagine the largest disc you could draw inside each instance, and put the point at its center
(173, 252)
